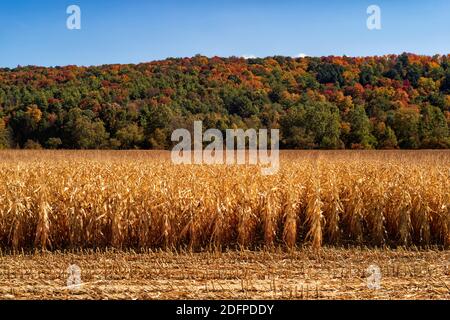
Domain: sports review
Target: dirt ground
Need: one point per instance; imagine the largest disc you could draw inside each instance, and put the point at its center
(331, 274)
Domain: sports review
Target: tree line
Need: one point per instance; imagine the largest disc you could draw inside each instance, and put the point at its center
(385, 102)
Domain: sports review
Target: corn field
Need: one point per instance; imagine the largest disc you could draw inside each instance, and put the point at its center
(57, 200)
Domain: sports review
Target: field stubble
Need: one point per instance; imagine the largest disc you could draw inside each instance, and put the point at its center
(300, 275)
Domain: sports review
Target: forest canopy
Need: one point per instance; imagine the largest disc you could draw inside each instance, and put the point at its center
(385, 102)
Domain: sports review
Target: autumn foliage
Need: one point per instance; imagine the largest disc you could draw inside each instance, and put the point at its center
(382, 102)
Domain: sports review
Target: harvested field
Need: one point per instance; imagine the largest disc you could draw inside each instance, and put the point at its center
(333, 274)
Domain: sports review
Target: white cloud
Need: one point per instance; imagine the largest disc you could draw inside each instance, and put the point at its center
(248, 56)
(301, 55)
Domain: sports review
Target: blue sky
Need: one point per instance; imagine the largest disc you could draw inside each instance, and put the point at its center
(33, 32)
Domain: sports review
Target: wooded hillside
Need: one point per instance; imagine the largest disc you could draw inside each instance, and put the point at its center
(330, 103)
